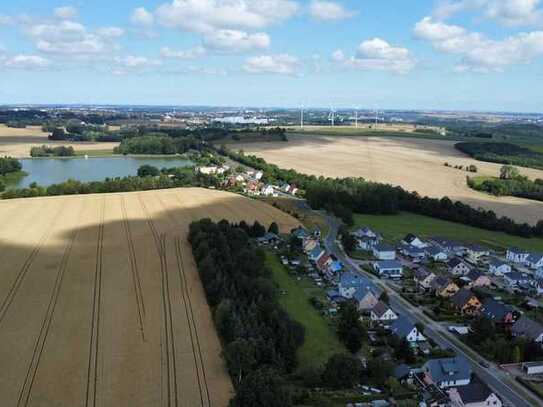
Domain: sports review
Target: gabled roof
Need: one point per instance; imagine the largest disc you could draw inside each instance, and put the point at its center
(362, 292)
(455, 261)
(388, 264)
(380, 309)
(434, 250)
(410, 237)
(355, 280)
(402, 327)
(474, 275)
(495, 310)
(384, 247)
(475, 392)
(535, 257)
(440, 282)
(527, 327)
(517, 276)
(300, 233)
(316, 251)
(421, 273)
(494, 261)
(462, 297)
(517, 250)
(448, 369)
(477, 248)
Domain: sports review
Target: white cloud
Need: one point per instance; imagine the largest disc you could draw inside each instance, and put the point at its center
(141, 17)
(191, 53)
(6, 20)
(235, 41)
(377, 55)
(133, 64)
(506, 12)
(328, 10)
(26, 62)
(478, 52)
(110, 32)
(66, 12)
(283, 64)
(203, 16)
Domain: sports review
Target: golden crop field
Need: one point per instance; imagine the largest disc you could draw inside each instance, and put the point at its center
(18, 142)
(101, 303)
(415, 164)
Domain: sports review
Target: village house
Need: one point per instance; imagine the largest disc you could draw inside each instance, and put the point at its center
(443, 287)
(365, 232)
(405, 329)
(316, 254)
(365, 299)
(350, 282)
(268, 190)
(458, 267)
(436, 253)
(498, 312)
(300, 233)
(423, 278)
(412, 240)
(383, 251)
(498, 267)
(529, 329)
(466, 302)
(212, 170)
(253, 188)
(450, 246)
(532, 368)
(517, 255)
(447, 372)
(323, 262)
(476, 252)
(413, 252)
(368, 243)
(310, 243)
(478, 279)
(381, 312)
(388, 268)
(535, 261)
(475, 394)
(516, 278)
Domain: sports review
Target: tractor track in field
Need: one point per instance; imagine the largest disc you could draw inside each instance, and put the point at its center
(26, 389)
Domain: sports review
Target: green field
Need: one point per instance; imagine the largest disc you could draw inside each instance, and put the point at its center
(320, 340)
(395, 227)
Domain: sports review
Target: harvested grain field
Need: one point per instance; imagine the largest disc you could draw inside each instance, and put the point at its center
(415, 164)
(101, 303)
(18, 142)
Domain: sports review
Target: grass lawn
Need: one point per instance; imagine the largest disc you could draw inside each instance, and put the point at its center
(320, 340)
(395, 227)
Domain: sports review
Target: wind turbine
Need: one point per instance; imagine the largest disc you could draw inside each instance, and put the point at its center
(331, 116)
(302, 117)
(356, 117)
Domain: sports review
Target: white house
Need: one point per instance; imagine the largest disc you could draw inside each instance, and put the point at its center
(516, 255)
(436, 253)
(268, 190)
(382, 312)
(535, 260)
(383, 251)
(405, 329)
(447, 372)
(388, 268)
(498, 267)
(413, 240)
(458, 267)
(365, 232)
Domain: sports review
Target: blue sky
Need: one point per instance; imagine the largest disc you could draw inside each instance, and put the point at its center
(424, 54)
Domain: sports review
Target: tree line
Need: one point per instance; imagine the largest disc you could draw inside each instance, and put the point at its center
(259, 339)
(519, 186)
(46, 151)
(158, 144)
(502, 153)
(9, 165)
(346, 196)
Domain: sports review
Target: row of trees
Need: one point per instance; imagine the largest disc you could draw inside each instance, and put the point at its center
(260, 340)
(346, 196)
(503, 153)
(47, 151)
(520, 187)
(157, 144)
(9, 165)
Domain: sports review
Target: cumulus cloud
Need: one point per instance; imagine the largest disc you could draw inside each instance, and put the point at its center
(478, 52)
(66, 12)
(191, 53)
(282, 64)
(133, 64)
(6, 20)
(328, 10)
(110, 32)
(377, 55)
(506, 12)
(141, 17)
(235, 41)
(26, 62)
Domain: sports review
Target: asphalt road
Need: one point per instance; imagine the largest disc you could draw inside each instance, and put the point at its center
(511, 392)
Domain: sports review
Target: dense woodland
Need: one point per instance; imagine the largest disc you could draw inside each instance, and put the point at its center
(343, 197)
(519, 186)
(503, 153)
(9, 165)
(156, 143)
(47, 151)
(259, 338)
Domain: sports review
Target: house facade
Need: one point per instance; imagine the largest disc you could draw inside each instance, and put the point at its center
(388, 268)
(498, 267)
(447, 372)
(458, 267)
(443, 287)
(381, 312)
(516, 255)
(383, 251)
(405, 329)
(466, 302)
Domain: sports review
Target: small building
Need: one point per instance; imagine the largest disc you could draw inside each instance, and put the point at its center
(383, 251)
(498, 267)
(323, 262)
(466, 302)
(388, 268)
(498, 312)
(368, 243)
(476, 252)
(478, 279)
(516, 278)
(405, 329)
(412, 240)
(475, 394)
(268, 190)
(517, 255)
(535, 261)
(382, 312)
(451, 246)
(436, 253)
(458, 267)
(268, 238)
(532, 368)
(349, 282)
(443, 287)
(365, 232)
(300, 233)
(447, 372)
(365, 298)
(413, 252)
(423, 278)
(529, 329)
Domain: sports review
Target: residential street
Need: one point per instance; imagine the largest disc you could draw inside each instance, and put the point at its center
(511, 392)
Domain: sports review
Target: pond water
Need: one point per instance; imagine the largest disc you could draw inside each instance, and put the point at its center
(47, 171)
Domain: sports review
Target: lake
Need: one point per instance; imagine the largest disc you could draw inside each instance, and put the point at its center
(47, 171)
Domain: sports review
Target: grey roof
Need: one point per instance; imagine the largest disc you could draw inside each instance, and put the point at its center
(384, 247)
(362, 292)
(535, 257)
(517, 250)
(477, 248)
(421, 273)
(475, 392)
(448, 369)
(462, 297)
(401, 371)
(440, 282)
(528, 328)
(380, 309)
(455, 261)
(402, 327)
(349, 279)
(388, 264)
(517, 276)
(474, 275)
(433, 250)
(495, 310)
(494, 261)
(409, 237)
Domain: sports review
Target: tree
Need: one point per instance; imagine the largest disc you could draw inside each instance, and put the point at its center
(342, 371)
(257, 230)
(378, 370)
(347, 240)
(274, 228)
(240, 358)
(148, 171)
(262, 388)
(508, 172)
(384, 297)
(405, 352)
(58, 134)
(2, 186)
(350, 330)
